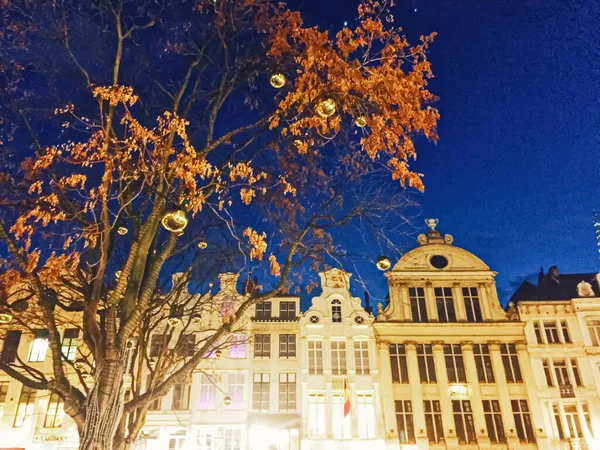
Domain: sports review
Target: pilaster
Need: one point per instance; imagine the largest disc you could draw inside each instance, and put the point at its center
(414, 378)
(445, 402)
(475, 395)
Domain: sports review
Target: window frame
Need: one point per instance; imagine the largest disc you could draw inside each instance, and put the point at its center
(493, 421)
(418, 304)
(25, 406)
(235, 390)
(509, 355)
(362, 362)
(317, 415)
(472, 304)
(339, 364)
(261, 391)
(287, 342)
(405, 421)
(336, 311)
(288, 395)
(290, 310)
(399, 363)
(10, 349)
(262, 346)
(207, 397)
(434, 424)
(464, 422)
(444, 300)
(264, 310)
(39, 346)
(484, 364)
(455, 363)
(522, 417)
(55, 412)
(315, 356)
(70, 343)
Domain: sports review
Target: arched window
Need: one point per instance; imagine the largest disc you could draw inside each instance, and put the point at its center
(594, 330)
(336, 311)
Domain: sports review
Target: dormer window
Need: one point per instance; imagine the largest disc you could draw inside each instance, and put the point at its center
(263, 311)
(336, 311)
(287, 310)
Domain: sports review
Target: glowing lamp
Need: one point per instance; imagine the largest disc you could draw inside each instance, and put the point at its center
(173, 321)
(298, 143)
(227, 400)
(458, 390)
(218, 354)
(79, 364)
(326, 107)
(196, 319)
(6, 318)
(122, 230)
(383, 263)
(277, 80)
(202, 245)
(360, 121)
(175, 221)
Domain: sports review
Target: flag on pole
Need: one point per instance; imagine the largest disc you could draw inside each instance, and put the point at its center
(346, 399)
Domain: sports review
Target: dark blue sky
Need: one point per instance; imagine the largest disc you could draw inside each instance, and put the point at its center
(515, 176)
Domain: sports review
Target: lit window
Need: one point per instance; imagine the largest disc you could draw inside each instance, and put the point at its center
(398, 362)
(418, 306)
(69, 343)
(287, 346)
(233, 439)
(510, 359)
(39, 347)
(463, 420)
(25, 406)
(483, 361)
(235, 390)
(366, 416)
(445, 304)
(261, 391)
(426, 363)
(316, 415)
(287, 392)
(493, 421)
(472, 306)
(551, 331)
(54, 413)
(338, 357)
(341, 423)
(361, 357)
(433, 421)
(522, 420)
(237, 350)
(176, 443)
(336, 311)
(181, 397)
(262, 345)
(208, 394)
(594, 330)
(404, 421)
(315, 357)
(454, 363)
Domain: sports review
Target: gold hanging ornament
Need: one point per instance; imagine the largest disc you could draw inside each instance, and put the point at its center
(6, 318)
(326, 107)
(79, 364)
(117, 274)
(360, 121)
(174, 321)
(202, 245)
(196, 319)
(383, 263)
(277, 80)
(218, 354)
(175, 221)
(298, 143)
(122, 230)
(227, 400)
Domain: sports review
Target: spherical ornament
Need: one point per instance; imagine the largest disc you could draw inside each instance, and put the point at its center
(298, 143)
(175, 221)
(277, 80)
(79, 364)
(6, 318)
(174, 321)
(383, 263)
(360, 121)
(326, 107)
(218, 354)
(196, 319)
(122, 230)
(227, 400)
(117, 274)
(202, 245)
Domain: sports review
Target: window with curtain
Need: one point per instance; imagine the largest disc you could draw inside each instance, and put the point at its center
(262, 345)
(316, 415)
(338, 357)
(315, 357)
(287, 346)
(235, 390)
(208, 394)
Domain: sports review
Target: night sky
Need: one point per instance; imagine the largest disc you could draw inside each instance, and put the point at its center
(514, 177)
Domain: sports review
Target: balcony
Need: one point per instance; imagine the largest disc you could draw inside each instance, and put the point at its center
(566, 391)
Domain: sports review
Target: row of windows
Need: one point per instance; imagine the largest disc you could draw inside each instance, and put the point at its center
(553, 332)
(39, 346)
(562, 372)
(338, 357)
(463, 421)
(455, 365)
(444, 303)
(54, 410)
(287, 311)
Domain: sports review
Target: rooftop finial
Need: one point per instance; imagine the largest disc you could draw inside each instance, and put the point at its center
(432, 223)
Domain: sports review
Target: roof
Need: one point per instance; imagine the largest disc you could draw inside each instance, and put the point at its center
(548, 288)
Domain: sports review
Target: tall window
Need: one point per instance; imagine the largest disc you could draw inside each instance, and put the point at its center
(316, 415)
(11, 346)
(54, 413)
(547, 372)
(39, 346)
(287, 310)
(538, 332)
(3, 391)
(176, 442)
(287, 392)
(445, 304)
(237, 350)
(551, 331)
(315, 357)
(398, 362)
(510, 359)
(594, 330)
(576, 374)
(208, 394)
(232, 439)
(25, 406)
(565, 331)
(261, 392)
(454, 363)
(156, 404)
(157, 342)
(235, 390)
(366, 416)
(472, 306)
(493, 421)
(263, 311)
(186, 346)
(463, 420)
(69, 343)
(426, 363)
(341, 423)
(404, 421)
(562, 374)
(573, 420)
(418, 308)
(262, 345)
(181, 397)
(433, 421)
(522, 420)
(483, 361)
(361, 357)
(558, 421)
(287, 346)
(338, 357)
(336, 311)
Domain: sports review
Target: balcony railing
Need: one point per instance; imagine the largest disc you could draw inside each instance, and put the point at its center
(566, 391)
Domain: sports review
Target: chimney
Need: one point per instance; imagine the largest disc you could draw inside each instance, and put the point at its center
(367, 303)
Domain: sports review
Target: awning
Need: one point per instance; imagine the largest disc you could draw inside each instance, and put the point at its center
(276, 421)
